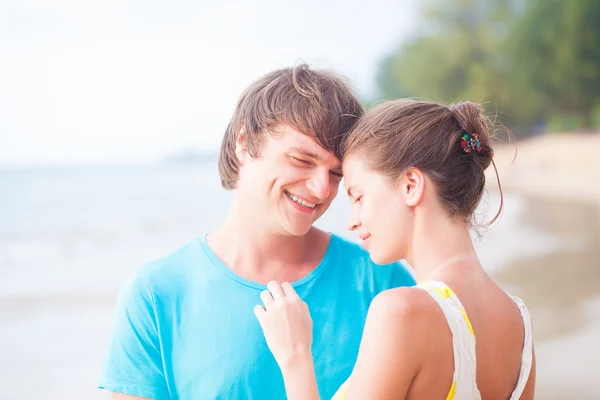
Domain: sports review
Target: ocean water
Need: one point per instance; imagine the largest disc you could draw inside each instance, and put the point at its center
(70, 237)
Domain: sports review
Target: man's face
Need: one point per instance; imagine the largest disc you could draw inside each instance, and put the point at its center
(291, 184)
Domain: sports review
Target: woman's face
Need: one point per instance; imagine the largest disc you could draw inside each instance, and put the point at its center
(379, 211)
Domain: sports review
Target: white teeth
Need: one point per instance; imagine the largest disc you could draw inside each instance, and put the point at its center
(300, 201)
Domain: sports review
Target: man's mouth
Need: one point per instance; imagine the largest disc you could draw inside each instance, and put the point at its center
(299, 201)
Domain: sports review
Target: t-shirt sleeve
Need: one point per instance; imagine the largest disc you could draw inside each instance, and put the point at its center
(133, 363)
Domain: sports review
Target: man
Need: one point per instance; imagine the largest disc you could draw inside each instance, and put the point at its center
(185, 327)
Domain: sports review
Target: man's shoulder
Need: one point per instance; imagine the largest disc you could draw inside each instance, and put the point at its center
(171, 270)
(175, 260)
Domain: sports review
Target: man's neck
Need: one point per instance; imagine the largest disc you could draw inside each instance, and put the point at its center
(256, 253)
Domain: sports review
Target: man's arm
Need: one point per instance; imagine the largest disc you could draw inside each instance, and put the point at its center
(134, 363)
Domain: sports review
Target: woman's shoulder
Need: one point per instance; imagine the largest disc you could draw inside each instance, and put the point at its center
(404, 300)
(400, 331)
(403, 308)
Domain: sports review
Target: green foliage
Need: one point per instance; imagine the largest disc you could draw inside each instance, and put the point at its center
(530, 61)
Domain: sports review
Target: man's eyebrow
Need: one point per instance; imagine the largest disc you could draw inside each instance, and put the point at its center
(314, 156)
(305, 153)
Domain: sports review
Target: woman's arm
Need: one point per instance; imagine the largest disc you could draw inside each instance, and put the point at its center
(391, 351)
(392, 347)
(287, 327)
(300, 380)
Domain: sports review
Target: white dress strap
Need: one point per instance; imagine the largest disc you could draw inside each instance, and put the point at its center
(464, 382)
(527, 356)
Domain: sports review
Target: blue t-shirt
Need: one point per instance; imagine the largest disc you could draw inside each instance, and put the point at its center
(185, 328)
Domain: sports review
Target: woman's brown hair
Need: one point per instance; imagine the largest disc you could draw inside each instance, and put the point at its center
(401, 134)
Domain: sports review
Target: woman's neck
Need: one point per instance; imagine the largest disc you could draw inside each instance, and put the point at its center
(439, 242)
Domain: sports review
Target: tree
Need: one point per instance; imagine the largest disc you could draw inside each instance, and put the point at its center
(457, 56)
(528, 60)
(556, 50)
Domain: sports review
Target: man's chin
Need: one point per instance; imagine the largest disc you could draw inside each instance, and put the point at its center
(297, 229)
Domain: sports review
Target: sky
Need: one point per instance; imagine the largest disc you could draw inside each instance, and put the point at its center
(131, 81)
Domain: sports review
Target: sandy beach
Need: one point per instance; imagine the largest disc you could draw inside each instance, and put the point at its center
(558, 166)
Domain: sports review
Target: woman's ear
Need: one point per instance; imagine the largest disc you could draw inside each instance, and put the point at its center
(412, 185)
(241, 147)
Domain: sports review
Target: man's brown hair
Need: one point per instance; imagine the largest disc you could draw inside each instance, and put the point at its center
(317, 103)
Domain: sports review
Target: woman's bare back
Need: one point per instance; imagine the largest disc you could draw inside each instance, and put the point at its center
(499, 333)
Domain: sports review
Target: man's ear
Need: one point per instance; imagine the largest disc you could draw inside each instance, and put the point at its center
(241, 147)
(412, 185)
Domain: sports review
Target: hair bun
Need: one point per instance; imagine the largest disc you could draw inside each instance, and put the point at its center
(472, 120)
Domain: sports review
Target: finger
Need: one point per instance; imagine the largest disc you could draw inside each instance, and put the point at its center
(266, 298)
(259, 312)
(275, 290)
(288, 290)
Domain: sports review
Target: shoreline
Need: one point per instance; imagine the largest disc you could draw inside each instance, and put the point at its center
(562, 166)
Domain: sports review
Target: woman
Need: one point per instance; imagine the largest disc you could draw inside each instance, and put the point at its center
(414, 172)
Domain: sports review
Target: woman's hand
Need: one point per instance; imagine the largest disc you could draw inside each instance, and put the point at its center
(286, 324)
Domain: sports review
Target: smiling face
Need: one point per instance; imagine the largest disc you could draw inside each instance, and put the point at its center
(291, 184)
(379, 211)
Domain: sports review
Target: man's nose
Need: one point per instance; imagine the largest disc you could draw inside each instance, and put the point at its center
(319, 184)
